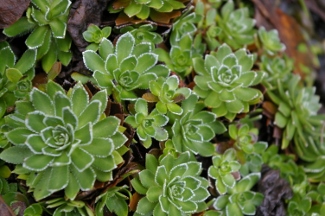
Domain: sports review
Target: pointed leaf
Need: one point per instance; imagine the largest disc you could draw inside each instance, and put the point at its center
(81, 159)
(85, 179)
(59, 178)
(72, 188)
(124, 46)
(100, 147)
(90, 114)
(79, 99)
(26, 61)
(19, 27)
(18, 136)
(49, 58)
(106, 127)
(145, 62)
(42, 102)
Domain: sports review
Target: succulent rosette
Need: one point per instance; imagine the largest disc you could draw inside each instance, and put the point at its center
(15, 76)
(171, 186)
(236, 25)
(222, 168)
(168, 94)
(297, 113)
(193, 130)
(148, 125)
(270, 41)
(224, 81)
(125, 68)
(277, 68)
(63, 141)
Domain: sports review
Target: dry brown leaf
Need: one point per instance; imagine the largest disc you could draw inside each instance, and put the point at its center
(11, 11)
(5, 210)
(150, 97)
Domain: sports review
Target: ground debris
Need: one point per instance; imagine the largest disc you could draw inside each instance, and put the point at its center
(83, 13)
(275, 190)
(11, 11)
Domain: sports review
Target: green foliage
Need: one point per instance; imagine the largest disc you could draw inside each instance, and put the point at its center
(270, 41)
(172, 77)
(285, 164)
(253, 162)
(299, 206)
(193, 130)
(34, 210)
(127, 67)
(94, 35)
(222, 170)
(143, 9)
(6, 188)
(317, 195)
(63, 141)
(224, 81)
(114, 200)
(184, 45)
(148, 125)
(240, 200)
(5, 171)
(207, 26)
(237, 28)
(297, 111)
(15, 76)
(47, 22)
(184, 25)
(171, 186)
(69, 207)
(10, 195)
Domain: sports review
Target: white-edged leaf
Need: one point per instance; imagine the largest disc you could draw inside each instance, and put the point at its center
(72, 188)
(105, 48)
(85, 179)
(90, 114)
(124, 46)
(26, 61)
(15, 154)
(49, 58)
(79, 98)
(107, 127)
(36, 38)
(93, 61)
(59, 178)
(42, 102)
(37, 162)
(34, 121)
(81, 159)
(58, 28)
(19, 27)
